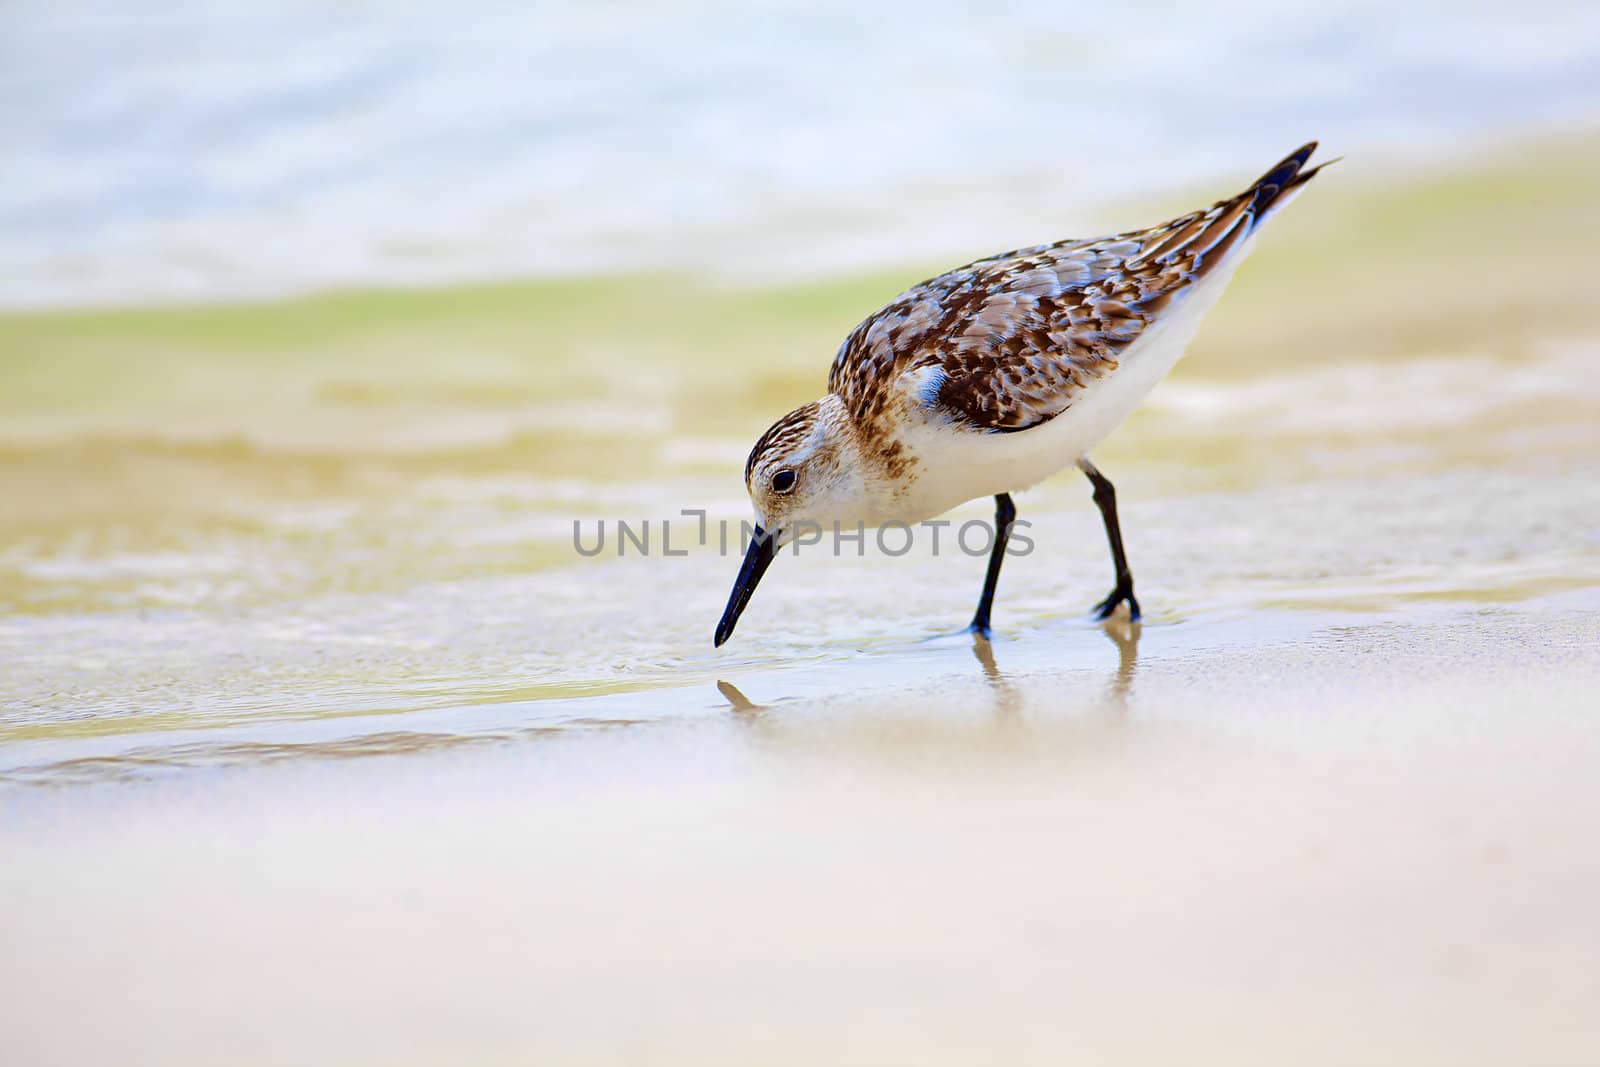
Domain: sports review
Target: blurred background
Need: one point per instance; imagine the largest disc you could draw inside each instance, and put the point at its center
(321, 324)
(194, 151)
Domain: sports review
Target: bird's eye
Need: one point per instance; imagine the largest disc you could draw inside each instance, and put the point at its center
(783, 481)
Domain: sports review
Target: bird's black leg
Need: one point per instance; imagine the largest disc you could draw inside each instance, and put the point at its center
(1004, 512)
(1105, 497)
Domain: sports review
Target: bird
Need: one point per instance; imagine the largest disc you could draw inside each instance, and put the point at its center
(991, 377)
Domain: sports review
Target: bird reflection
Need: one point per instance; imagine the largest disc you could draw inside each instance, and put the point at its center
(1125, 635)
(740, 702)
(1008, 702)
(1118, 630)
(1008, 696)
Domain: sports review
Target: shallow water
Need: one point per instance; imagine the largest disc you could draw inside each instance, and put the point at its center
(458, 608)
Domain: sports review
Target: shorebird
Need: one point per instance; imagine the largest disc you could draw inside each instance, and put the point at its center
(991, 377)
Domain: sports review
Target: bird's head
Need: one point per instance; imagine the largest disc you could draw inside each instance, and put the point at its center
(804, 474)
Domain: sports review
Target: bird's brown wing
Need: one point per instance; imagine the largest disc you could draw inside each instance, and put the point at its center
(1006, 343)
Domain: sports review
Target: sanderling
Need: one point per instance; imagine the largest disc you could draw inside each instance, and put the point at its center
(995, 375)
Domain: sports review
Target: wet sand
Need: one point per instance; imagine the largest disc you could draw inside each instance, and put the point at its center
(1367, 843)
(109, 697)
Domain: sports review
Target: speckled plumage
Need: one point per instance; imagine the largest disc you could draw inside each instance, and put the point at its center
(1006, 343)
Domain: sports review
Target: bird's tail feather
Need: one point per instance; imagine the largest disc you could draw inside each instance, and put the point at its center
(1277, 186)
(1209, 235)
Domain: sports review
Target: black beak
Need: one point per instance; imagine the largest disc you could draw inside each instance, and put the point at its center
(757, 558)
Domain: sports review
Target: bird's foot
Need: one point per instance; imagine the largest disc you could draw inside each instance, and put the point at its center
(1123, 592)
(980, 628)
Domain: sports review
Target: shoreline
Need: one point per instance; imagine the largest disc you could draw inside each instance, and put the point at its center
(950, 671)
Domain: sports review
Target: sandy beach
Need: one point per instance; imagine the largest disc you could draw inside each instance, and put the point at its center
(1365, 842)
(319, 743)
